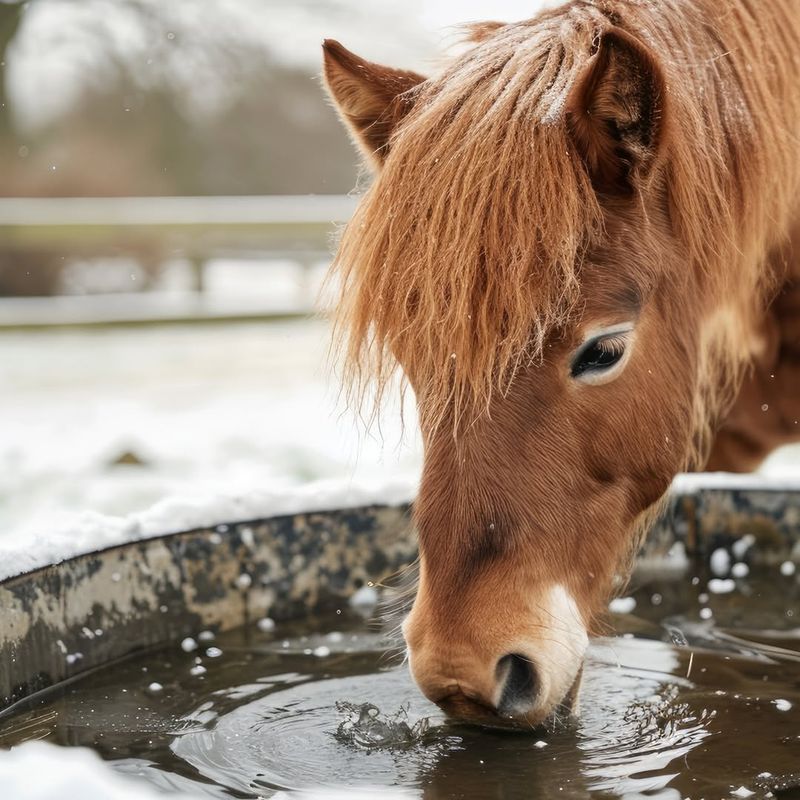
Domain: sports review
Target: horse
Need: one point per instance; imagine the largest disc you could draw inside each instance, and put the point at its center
(580, 250)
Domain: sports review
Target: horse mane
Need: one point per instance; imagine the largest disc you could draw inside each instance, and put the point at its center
(465, 253)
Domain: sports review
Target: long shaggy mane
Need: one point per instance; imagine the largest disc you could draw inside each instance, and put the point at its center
(466, 251)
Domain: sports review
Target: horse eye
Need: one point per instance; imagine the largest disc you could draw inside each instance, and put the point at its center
(598, 355)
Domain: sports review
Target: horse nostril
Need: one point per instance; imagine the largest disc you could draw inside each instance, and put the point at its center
(517, 676)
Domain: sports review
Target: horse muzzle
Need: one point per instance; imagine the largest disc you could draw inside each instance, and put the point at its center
(505, 669)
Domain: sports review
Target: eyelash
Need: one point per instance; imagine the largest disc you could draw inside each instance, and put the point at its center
(614, 345)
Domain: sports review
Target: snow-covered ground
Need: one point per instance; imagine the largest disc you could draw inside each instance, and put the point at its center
(220, 421)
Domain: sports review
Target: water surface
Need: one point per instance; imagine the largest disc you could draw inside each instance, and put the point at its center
(698, 695)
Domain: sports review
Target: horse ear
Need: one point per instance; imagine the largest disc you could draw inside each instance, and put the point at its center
(616, 113)
(371, 99)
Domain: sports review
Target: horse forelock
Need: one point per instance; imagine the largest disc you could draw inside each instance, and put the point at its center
(465, 252)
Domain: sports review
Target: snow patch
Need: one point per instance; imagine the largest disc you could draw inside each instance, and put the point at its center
(721, 585)
(788, 568)
(720, 562)
(41, 771)
(622, 605)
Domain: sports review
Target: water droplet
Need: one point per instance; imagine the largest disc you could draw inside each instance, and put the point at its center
(213, 652)
(188, 645)
(677, 637)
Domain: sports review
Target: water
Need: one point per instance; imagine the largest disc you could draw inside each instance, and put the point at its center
(697, 696)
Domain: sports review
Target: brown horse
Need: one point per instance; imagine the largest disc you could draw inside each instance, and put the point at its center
(582, 248)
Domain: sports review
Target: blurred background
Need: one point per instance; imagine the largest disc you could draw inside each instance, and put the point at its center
(171, 179)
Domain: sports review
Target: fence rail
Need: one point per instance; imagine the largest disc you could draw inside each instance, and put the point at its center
(300, 217)
(295, 227)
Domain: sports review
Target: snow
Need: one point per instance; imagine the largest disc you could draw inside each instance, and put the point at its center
(366, 597)
(740, 570)
(92, 531)
(622, 605)
(741, 546)
(721, 585)
(227, 423)
(720, 562)
(40, 771)
(266, 624)
(779, 473)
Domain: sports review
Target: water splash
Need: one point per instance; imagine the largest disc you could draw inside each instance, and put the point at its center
(366, 728)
